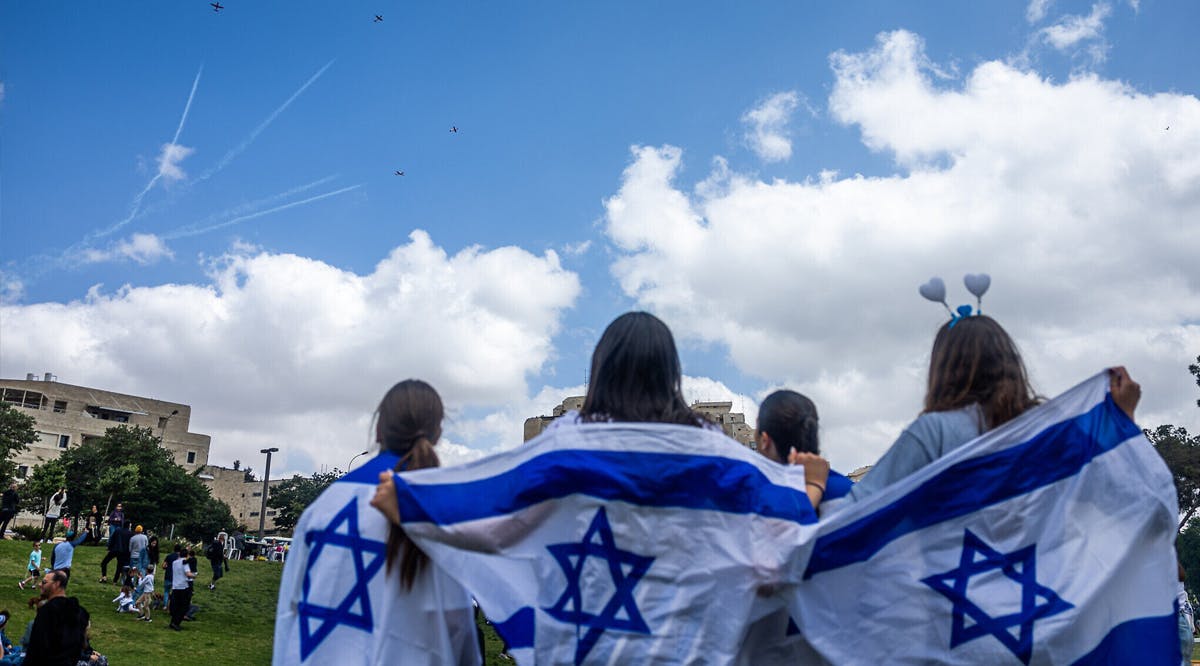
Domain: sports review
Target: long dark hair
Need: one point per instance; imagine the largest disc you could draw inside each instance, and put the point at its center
(791, 420)
(976, 362)
(409, 425)
(636, 375)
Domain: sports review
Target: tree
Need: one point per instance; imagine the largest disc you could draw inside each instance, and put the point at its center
(1181, 452)
(237, 465)
(43, 481)
(117, 481)
(210, 518)
(248, 475)
(17, 432)
(292, 496)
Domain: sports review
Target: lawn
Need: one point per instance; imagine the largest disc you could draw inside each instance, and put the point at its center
(234, 626)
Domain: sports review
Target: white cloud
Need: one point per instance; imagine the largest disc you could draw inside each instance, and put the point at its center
(1073, 30)
(169, 159)
(1036, 10)
(577, 249)
(142, 249)
(766, 132)
(1083, 219)
(283, 350)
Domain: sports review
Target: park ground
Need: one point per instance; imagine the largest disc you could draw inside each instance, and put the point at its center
(235, 625)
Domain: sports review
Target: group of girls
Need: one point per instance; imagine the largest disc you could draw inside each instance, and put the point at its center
(977, 382)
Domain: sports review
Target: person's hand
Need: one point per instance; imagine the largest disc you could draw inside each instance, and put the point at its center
(1125, 392)
(385, 498)
(816, 468)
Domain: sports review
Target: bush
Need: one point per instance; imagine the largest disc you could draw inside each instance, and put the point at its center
(27, 532)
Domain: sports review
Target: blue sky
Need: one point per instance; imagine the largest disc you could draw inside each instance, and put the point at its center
(549, 98)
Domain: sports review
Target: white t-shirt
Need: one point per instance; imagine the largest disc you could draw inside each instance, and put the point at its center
(179, 578)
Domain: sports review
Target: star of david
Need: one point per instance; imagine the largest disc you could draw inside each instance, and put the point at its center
(626, 570)
(369, 557)
(1037, 601)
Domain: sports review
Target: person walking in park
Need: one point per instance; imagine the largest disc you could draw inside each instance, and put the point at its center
(169, 574)
(144, 595)
(9, 504)
(118, 549)
(53, 511)
(116, 519)
(34, 566)
(138, 543)
(215, 552)
(181, 591)
(92, 524)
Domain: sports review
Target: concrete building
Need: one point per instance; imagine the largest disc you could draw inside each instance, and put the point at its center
(245, 498)
(733, 423)
(69, 416)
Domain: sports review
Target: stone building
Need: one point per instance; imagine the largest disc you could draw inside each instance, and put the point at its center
(69, 416)
(245, 498)
(733, 423)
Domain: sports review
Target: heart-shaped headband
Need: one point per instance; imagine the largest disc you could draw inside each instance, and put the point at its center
(935, 290)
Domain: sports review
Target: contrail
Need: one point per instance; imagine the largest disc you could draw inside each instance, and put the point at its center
(251, 206)
(137, 201)
(241, 147)
(187, 233)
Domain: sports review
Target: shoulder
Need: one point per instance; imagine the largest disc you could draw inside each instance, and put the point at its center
(942, 431)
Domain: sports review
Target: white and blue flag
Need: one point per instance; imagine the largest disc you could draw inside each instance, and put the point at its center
(338, 604)
(618, 543)
(1049, 540)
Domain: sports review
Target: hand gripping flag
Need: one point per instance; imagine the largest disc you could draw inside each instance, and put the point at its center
(1049, 540)
(617, 543)
(338, 604)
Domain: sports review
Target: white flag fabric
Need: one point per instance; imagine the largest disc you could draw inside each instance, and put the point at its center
(338, 604)
(618, 543)
(1049, 540)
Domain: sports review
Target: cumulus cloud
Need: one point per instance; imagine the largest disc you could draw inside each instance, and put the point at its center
(1083, 219)
(170, 157)
(1036, 10)
(1072, 31)
(766, 126)
(283, 350)
(141, 249)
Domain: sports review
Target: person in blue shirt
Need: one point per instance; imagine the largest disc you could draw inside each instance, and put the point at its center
(64, 552)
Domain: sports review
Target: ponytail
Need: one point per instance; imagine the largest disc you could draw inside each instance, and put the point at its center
(791, 420)
(412, 558)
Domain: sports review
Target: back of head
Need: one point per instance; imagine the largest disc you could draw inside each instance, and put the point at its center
(976, 362)
(636, 375)
(791, 420)
(409, 425)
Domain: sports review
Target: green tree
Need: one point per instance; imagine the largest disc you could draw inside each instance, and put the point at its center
(292, 496)
(43, 481)
(211, 517)
(117, 481)
(1181, 452)
(17, 432)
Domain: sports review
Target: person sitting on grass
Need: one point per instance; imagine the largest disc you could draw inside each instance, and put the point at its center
(59, 631)
(34, 566)
(9, 654)
(124, 600)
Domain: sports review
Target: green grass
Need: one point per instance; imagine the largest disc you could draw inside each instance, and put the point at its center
(235, 625)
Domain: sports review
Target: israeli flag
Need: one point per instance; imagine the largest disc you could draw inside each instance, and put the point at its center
(618, 543)
(1049, 540)
(338, 604)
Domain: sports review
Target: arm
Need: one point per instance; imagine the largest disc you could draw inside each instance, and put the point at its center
(1125, 392)
(82, 537)
(816, 474)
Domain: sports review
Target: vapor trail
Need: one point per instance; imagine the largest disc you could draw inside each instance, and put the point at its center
(188, 233)
(241, 147)
(137, 200)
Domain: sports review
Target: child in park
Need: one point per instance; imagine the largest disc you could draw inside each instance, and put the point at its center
(124, 600)
(35, 565)
(145, 594)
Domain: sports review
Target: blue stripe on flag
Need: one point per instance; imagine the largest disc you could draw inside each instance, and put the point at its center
(1146, 640)
(518, 630)
(369, 471)
(1055, 453)
(647, 479)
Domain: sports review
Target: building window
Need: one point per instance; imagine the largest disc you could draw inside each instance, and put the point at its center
(22, 471)
(253, 514)
(22, 398)
(191, 457)
(64, 441)
(271, 513)
(256, 494)
(241, 514)
(60, 406)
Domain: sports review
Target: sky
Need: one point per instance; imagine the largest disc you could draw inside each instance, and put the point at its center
(203, 206)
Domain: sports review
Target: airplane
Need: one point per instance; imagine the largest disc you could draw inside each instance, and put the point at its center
(378, 18)
(453, 130)
(399, 173)
(217, 6)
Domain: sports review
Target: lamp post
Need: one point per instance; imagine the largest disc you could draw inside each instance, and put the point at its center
(163, 429)
(356, 456)
(262, 513)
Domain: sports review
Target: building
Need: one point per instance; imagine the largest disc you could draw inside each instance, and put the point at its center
(245, 498)
(721, 413)
(69, 416)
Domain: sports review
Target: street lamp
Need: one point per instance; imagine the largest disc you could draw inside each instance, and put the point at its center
(163, 428)
(262, 514)
(356, 456)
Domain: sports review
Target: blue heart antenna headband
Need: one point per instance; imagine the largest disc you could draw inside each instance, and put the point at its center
(977, 284)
